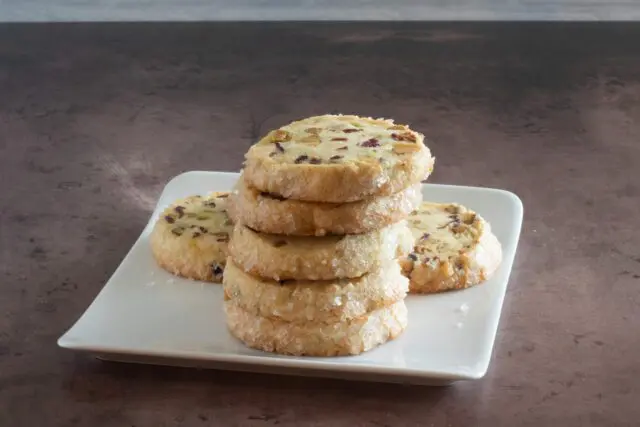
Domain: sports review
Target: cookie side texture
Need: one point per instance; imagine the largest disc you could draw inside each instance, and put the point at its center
(280, 257)
(269, 213)
(335, 300)
(319, 339)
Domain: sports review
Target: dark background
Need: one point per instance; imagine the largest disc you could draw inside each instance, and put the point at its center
(96, 118)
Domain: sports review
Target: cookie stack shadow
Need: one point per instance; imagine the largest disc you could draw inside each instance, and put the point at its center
(312, 267)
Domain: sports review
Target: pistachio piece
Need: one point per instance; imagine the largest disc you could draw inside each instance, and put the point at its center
(404, 148)
(452, 209)
(311, 139)
(280, 136)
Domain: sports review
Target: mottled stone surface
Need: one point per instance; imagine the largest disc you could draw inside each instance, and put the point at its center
(94, 119)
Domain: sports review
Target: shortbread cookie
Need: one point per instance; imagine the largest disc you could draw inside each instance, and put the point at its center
(454, 249)
(191, 236)
(336, 158)
(272, 214)
(282, 257)
(350, 337)
(324, 300)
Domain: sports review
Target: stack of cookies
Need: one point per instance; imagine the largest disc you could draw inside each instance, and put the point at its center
(320, 219)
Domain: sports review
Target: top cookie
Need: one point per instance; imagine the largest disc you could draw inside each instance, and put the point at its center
(454, 249)
(338, 158)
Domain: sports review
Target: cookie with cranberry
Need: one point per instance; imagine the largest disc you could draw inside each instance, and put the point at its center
(190, 237)
(454, 249)
(338, 158)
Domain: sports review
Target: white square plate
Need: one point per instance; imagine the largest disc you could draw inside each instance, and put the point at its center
(146, 315)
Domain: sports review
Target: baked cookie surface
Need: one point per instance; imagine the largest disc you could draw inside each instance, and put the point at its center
(273, 214)
(326, 301)
(338, 158)
(454, 249)
(350, 337)
(191, 236)
(280, 257)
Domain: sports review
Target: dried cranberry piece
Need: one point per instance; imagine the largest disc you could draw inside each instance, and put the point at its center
(370, 143)
(216, 269)
(221, 237)
(405, 136)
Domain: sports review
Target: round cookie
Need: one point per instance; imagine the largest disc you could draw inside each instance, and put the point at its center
(190, 237)
(338, 158)
(320, 339)
(326, 301)
(280, 257)
(272, 214)
(454, 249)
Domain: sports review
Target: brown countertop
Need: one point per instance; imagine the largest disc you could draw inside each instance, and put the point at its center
(94, 119)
